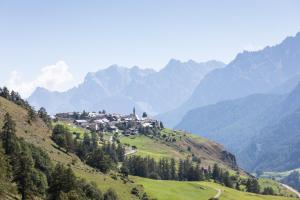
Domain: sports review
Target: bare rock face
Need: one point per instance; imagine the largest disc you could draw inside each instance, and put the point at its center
(229, 158)
(151, 91)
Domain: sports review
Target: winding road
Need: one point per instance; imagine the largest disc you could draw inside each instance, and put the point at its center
(291, 189)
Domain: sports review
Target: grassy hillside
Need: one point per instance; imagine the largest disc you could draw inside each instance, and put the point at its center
(172, 144)
(169, 190)
(178, 144)
(278, 175)
(38, 134)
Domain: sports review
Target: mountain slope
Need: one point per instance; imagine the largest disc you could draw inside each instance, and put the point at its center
(209, 152)
(249, 73)
(145, 89)
(232, 123)
(277, 148)
(262, 130)
(278, 140)
(198, 191)
(38, 134)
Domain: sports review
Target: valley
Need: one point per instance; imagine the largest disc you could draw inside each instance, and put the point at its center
(184, 145)
(150, 100)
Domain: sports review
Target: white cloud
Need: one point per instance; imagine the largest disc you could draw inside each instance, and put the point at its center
(55, 77)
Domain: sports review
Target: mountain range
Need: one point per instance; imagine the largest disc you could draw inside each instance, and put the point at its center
(118, 89)
(250, 105)
(262, 129)
(270, 70)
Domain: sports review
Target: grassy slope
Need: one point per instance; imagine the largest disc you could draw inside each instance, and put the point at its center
(169, 190)
(278, 175)
(209, 152)
(278, 189)
(151, 147)
(72, 127)
(38, 134)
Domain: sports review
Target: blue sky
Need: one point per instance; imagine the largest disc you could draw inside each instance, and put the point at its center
(55, 43)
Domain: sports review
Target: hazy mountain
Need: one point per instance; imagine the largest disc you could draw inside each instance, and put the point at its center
(233, 122)
(262, 130)
(277, 146)
(249, 73)
(118, 89)
(171, 86)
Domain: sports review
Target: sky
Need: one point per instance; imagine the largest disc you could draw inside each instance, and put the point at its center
(53, 44)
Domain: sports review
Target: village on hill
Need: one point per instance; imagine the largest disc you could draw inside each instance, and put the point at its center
(101, 121)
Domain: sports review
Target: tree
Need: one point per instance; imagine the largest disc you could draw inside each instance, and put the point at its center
(110, 195)
(144, 115)
(252, 185)
(69, 142)
(173, 169)
(58, 135)
(91, 191)
(145, 196)
(94, 139)
(216, 173)
(227, 180)
(8, 135)
(99, 160)
(42, 113)
(5, 93)
(62, 180)
(124, 170)
(23, 175)
(5, 175)
(83, 115)
(181, 170)
(268, 191)
(161, 125)
(31, 115)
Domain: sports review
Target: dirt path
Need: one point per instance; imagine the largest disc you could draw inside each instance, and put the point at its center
(291, 189)
(218, 194)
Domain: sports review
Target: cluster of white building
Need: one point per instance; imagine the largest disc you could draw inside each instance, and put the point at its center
(106, 122)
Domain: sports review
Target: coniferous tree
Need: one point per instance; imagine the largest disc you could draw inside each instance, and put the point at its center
(144, 115)
(23, 175)
(5, 173)
(227, 180)
(62, 180)
(110, 195)
(5, 93)
(42, 113)
(173, 169)
(8, 136)
(181, 170)
(31, 115)
(252, 185)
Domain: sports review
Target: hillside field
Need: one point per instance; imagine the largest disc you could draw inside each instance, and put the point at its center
(38, 134)
(169, 190)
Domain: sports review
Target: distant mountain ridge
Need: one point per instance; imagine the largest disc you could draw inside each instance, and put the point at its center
(118, 89)
(262, 71)
(262, 130)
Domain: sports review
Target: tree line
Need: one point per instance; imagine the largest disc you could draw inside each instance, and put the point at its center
(16, 98)
(103, 157)
(27, 170)
(186, 170)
